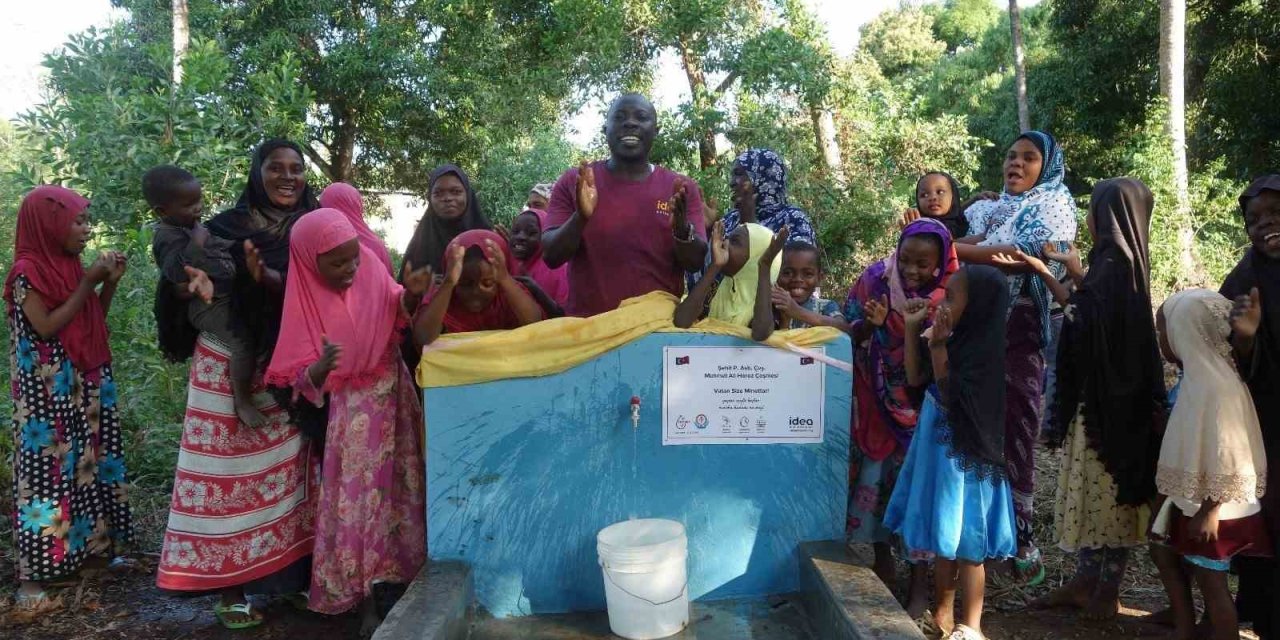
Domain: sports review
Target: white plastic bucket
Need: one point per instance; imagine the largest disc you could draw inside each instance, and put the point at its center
(645, 582)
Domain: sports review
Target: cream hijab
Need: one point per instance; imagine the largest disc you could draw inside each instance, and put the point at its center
(1212, 447)
(735, 299)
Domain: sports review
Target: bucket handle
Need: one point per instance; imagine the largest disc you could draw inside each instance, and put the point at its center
(683, 590)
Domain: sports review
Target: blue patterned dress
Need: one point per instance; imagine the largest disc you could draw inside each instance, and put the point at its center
(68, 460)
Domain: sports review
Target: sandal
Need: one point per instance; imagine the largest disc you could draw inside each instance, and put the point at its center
(965, 633)
(1026, 566)
(242, 608)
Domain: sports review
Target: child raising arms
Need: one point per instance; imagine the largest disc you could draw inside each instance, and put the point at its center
(952, 501)
(478, 292)
(744, 295)
(795, 296)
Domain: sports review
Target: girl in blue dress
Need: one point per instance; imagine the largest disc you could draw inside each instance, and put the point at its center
(952, 502)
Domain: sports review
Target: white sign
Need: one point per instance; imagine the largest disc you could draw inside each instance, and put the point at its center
(741, 395)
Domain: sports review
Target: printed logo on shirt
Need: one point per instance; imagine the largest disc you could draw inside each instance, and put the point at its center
(663, 208)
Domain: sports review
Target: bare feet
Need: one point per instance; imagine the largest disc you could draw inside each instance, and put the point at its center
(249, 414)
(1163, 618)
(1103, 606)
(1074, 594)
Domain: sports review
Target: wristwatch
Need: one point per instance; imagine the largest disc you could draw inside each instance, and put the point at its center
(689, 236)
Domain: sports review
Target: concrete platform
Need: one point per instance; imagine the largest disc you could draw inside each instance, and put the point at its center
(772, 618)
(841, 599)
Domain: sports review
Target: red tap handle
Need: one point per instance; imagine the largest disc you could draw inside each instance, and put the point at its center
(635, 401)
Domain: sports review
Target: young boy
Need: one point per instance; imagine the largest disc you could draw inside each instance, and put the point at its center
(180, 241)
(794, 299)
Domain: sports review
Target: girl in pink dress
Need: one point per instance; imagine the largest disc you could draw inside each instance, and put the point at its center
(339, 346)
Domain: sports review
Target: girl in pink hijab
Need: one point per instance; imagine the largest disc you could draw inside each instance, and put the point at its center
(347, 199)
(339, 346)
(526, 245)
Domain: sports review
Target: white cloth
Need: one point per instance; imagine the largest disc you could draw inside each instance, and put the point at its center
(1212, 448)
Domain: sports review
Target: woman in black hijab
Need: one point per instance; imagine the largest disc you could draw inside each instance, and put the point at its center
(1108, 412)
(1254, 285)
(452, 207)
(275, 196)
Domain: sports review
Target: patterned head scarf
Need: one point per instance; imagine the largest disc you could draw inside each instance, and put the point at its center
(1042, 214)
(768, 174)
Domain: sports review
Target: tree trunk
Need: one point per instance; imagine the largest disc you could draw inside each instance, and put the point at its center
(181, 37)
(703, 104)
(1019, 66)
(343, 159)
(824, 134)
(1173, 24)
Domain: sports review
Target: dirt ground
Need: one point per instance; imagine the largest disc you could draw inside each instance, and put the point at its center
(131, 607)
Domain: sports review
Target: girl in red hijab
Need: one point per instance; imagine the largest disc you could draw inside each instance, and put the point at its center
(477, 293)
(69, 476)
(339, 343)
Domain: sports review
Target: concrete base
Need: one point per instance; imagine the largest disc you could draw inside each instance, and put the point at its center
(437, 606)
(772, 618)
(841, 600)
(845, 599)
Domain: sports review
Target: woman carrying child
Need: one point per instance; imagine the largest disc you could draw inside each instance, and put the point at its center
(952, 502)
(69, 485)
(339, 346)
(737, 287)
(243, 504)
(1212, 468)
(1035, 208)
(1110, 401)
(887, 405)
(477, 292)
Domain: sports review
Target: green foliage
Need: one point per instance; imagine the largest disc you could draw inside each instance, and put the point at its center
(116, 114)
(902, 41)
(510, 170)
(401, 87)
(382, 91)
(963, 23)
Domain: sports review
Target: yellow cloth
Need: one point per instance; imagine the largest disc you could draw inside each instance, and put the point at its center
(556, 345)
(1085, 514)
(735, 298)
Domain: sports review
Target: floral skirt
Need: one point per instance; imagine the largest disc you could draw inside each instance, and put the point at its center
(1085, 514)
(371, 524)
(69, 475)
(870, 484)
(243, 505)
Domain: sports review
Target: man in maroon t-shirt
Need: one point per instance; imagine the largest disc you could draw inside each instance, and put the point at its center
(626, 227)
